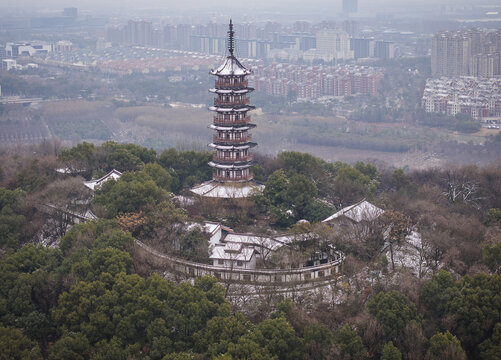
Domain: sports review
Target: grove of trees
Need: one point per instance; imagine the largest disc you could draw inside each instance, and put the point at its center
(89, 296)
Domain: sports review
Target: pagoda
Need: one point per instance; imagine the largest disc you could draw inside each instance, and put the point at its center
(231, 160)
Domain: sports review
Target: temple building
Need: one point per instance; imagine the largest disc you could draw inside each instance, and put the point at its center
(231, 162)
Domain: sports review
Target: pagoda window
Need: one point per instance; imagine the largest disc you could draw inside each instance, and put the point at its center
(227, 174)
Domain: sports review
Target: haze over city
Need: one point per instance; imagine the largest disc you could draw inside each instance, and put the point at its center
(250, 180)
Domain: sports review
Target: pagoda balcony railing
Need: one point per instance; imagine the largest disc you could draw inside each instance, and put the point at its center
(235, 178)
(245, 120)
(243, 139)
(232, 102)
(227, 159)
(241, 84)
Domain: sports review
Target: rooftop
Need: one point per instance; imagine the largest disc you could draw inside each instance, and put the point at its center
(361, 211)
(227, 190)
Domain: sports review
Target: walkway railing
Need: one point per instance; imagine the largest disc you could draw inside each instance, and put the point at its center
(235, 274)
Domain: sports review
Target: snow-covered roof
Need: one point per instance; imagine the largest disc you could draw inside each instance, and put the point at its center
(254, 240)
(230, 91)
(232, 147)
(231, 66)
(93, 184)
(222, 253)
(212, 227)
(361, 211)
(90, 215)
(230, 128)
(229, 166)
(68, 170)
(223, 109)
(227, 190)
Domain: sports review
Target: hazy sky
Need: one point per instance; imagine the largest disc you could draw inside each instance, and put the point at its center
(179, 4)
(282, 10)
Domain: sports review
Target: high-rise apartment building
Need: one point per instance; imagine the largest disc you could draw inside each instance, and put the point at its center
(473, 52)
(335, 43)
(362, 48)
(384, 50)
(138, 32)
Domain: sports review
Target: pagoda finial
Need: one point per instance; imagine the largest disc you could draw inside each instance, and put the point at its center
(231, 40)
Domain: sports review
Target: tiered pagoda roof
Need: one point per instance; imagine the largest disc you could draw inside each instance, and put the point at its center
(231, 160)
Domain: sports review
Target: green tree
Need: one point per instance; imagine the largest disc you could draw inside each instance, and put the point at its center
(300, 194)
(178, 356)
(11, 226)
(71, 346)
(393, 311)
(438, 293)
(129, 194)
(445, 346)
(99, 233)
(109, 350)
(350, 343)
(300, 163)
(102, 262)
(219, 333)
(33, 176)
(493, 217)
(247, 349)
(276, 187)
(368, 170)
(278, 337)
(471, 301)
(82, 157)
(391, 352)
(123, 160)
(491, 348)
(143, 154)
(351, 185)
(29, 287)
(400, 181)
(186, 167)
(159, 175)
(16, 346)
(318, 340)
(194, 245)
(492, 256)
(11, 223)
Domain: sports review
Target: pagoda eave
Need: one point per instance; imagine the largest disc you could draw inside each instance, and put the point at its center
(232, 109)
(229, 166)
(218, 146)
(232, 91)
(232, 128)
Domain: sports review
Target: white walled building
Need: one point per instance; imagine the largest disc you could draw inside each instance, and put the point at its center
(14, 50)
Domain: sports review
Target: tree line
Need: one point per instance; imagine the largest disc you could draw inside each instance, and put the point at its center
(90, 297)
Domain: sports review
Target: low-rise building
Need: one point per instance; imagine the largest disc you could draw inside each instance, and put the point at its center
(477, 97)
(95, 184)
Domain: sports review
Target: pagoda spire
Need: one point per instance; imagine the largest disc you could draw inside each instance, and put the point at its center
(232, 140)
(231, 39)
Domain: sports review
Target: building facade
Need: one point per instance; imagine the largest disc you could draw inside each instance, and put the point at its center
(473, 52)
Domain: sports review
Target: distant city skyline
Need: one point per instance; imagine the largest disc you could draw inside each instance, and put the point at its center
(218, 5)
